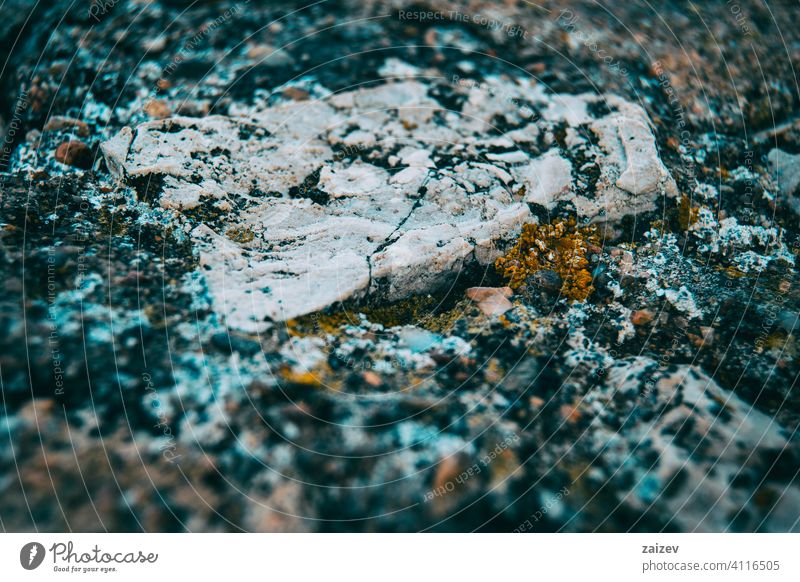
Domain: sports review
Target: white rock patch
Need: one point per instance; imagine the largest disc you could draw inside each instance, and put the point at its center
(548, 179)
(380, 190)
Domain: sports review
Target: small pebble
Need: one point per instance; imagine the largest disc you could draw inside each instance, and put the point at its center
(58, 122)
(545, 280)
(372, 379)
(491, 300)
(642, 317)
(74, 153)
(157, 109)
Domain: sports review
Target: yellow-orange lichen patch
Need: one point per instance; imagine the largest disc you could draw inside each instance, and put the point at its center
(426, 311)
(306, 378)
(320, 324)
(240, 235)
(687, 214)
(561, 246)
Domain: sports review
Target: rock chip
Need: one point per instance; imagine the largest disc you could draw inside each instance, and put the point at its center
(157, 109)
(59, 122)
(74, 153)
(491, 300)
(642, 317)
(545, 280)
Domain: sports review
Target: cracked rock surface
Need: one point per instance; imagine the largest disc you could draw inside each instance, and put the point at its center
(383, 190)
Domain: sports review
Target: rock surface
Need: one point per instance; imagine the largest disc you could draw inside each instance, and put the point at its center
(786, 169)
(381, 190)
(491, 300)
(696, 459)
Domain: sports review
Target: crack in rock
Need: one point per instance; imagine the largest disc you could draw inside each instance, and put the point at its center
(374, 150)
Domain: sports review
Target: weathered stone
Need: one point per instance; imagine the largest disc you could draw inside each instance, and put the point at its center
(785, 169)
(74, 153)
(642, 317)
(60, 122)
(704, 438)
(331, 223)
(545, 280)
(491, 300)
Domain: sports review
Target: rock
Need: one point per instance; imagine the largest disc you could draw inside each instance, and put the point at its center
(785, 168)
(59, 122)
(157, 109)
(491, 300)
(704, 439)
(642, 317)
(543, 288)
(269, 56)
(570, 413)
(333, 421)
(632, 176)
(155, 45)
(74, 153)
(602, 281)
(330, 226)
(447, 470)
(372, 379)
(296, 94)
(546, 281)
(450, 482)
(416, 339)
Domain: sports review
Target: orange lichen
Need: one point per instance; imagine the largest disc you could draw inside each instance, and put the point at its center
(240, 235)
(561, 246)
(304, 378)
(320, 323)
